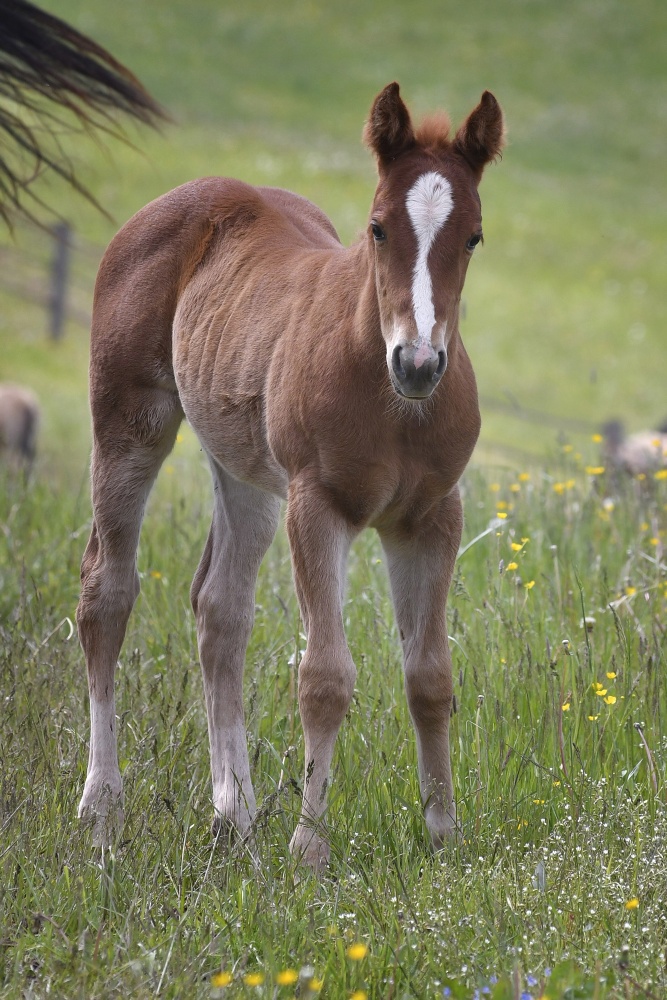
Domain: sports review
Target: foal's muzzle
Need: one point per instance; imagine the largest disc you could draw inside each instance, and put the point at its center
(416, 379)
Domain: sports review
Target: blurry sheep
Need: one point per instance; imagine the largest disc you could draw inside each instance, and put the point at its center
(19, 422)
(643, 452)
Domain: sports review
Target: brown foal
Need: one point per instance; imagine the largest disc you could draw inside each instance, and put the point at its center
(332, 377)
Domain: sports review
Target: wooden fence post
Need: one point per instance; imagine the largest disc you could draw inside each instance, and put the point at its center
(59, 278)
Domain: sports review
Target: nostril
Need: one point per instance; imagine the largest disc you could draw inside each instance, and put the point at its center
(396, 362)
(442, 362)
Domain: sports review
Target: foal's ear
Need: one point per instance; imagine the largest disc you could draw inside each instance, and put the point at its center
(482, 135)
(388, 131)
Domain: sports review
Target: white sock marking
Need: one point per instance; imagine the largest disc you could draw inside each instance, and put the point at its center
(429, 204)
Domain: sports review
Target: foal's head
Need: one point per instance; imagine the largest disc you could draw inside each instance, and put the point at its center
(425, 224)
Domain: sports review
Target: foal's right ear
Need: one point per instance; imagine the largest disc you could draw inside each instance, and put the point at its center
(388, 131)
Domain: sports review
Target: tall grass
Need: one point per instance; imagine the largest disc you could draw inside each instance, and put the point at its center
(559, 749)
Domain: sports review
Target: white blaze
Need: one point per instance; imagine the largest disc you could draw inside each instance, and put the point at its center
(429, 204)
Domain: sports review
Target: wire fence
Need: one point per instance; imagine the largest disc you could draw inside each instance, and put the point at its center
(53, 268)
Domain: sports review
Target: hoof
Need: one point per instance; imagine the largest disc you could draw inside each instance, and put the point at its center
(443, 828)
(226, 834)
(310, 849)
(101, 810)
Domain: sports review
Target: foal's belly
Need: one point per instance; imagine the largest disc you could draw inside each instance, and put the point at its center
(225, 405)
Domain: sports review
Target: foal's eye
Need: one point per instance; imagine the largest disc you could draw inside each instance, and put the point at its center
(378, 232)
(473, 241)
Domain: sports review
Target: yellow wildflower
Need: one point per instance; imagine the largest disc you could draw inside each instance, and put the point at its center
(524, 477)
(501, 504)
(559, 488)
(501, 514)
(515, 488)
(359, 995)
(593, 718)
(601, 692)
(287, 977)
(596, 438)
(566, 708)
(357, 951)
(567, 448)
(516, 547)
(315, 985)
(632, 904)
(253, 978)
(495, 487)
(610, 699)
(594, 470)
(611, 674)
(512, 565)
(529, 585)
(221, 979)
(661, 474)
(156, 574)
(179, 438)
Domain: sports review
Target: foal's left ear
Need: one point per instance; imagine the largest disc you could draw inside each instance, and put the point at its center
(388, 131)
(482, 135)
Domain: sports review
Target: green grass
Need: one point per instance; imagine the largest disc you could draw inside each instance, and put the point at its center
(562, 823)
(539, 788)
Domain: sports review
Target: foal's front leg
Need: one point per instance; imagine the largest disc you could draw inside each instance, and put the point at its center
(421, 563)
(319, 540)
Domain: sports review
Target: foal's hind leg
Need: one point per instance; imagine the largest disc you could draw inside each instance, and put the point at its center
(223, 597)
(124, 466)
(421, 564)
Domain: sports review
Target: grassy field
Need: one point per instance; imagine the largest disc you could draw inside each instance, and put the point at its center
(559, 747)
(558, 607)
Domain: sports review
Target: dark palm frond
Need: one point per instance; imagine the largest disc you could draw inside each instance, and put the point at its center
(54, 79)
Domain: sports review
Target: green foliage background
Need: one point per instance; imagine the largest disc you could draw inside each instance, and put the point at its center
(565, 303)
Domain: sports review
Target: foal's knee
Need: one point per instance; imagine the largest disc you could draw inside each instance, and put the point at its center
(429, 691)
(326, 686)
